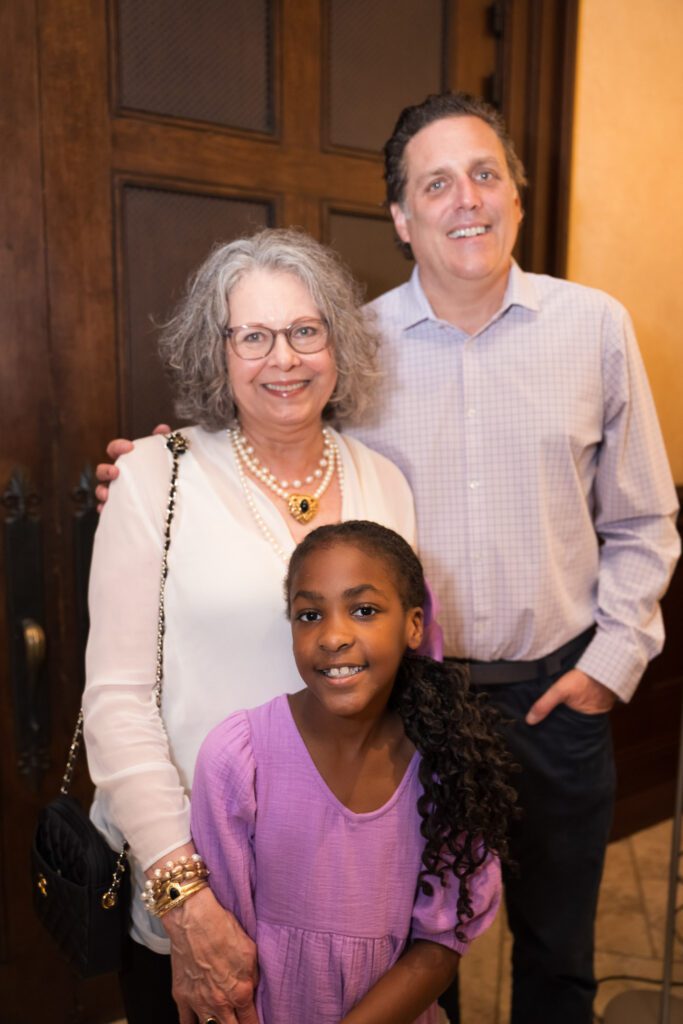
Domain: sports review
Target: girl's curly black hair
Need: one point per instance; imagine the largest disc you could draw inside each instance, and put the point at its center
(467, 801)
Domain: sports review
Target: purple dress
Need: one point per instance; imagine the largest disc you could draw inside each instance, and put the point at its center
(328, 895)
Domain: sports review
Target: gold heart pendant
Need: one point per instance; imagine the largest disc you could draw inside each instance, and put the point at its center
(302, 507)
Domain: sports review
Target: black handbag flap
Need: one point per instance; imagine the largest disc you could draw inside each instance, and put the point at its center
(67, 840)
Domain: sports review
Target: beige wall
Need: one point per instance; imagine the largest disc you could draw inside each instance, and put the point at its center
(626, 210)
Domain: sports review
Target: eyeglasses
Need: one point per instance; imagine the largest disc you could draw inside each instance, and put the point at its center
(254, 341)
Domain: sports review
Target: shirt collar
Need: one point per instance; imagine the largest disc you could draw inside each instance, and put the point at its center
(520, 291)
(416, 308)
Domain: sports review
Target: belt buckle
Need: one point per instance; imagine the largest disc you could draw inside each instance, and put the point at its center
(551, 664)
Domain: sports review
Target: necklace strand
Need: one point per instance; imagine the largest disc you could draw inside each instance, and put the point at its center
(258, 469)
(251, 503)
(302, 506)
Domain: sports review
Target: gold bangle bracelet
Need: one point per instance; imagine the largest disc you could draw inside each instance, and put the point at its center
(174, 875)
(176, 895)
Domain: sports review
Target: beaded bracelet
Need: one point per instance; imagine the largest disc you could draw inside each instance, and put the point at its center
(176, 894)
(174, 883)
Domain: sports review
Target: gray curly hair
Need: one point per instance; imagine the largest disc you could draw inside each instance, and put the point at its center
(192, 345)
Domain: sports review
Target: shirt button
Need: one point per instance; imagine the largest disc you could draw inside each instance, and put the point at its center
(474, 484)
(471, 411)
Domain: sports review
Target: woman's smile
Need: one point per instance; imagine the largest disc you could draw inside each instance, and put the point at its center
(284, 389)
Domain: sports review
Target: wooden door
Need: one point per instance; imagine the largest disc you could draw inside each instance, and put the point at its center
(136, 134)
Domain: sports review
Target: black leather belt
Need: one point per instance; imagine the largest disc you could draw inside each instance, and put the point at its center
(492, 673)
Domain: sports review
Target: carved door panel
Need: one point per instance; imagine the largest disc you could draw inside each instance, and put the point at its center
(135, 136)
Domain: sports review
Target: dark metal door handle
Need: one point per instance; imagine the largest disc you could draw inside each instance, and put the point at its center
(23, 536)
(35, 648)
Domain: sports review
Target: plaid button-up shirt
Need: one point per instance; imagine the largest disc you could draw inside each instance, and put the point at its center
(543, 492)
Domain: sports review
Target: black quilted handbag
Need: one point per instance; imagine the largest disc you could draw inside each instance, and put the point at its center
(74, 896)
(81, 888)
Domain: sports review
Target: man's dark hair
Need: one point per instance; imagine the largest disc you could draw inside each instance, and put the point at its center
(436, 107)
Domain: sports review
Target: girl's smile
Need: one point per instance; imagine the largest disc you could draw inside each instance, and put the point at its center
(342, 671)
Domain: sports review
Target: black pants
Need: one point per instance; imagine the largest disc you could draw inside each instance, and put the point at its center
(566, 792)
(145, 980)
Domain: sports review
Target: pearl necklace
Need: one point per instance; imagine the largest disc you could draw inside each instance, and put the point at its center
(251, 503)
(302, 506)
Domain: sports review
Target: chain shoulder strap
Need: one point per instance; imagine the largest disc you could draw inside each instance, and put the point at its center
(72, 755)
(177, 444)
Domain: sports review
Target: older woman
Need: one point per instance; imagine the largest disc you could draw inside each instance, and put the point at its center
(268, 348)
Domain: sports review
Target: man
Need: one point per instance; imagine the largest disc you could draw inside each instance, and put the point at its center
(518, 407)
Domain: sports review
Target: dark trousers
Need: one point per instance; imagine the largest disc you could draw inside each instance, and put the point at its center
(145, 980)
(566, 792)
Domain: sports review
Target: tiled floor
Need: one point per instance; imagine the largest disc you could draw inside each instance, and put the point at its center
(629, 939)
(629, 935)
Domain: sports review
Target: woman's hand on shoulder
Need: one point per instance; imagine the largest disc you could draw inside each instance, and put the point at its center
(106, 472)
(213, 962)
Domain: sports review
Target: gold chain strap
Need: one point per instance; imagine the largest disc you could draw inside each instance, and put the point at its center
(110, 897)
(73, 754)
(177, 445)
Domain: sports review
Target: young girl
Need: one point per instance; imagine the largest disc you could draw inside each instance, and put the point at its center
(354, 827)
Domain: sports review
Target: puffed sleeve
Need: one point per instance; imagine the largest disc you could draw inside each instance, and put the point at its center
(224, 815)
(434, 917)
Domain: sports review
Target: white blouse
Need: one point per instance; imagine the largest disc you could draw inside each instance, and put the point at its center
(227, 643)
